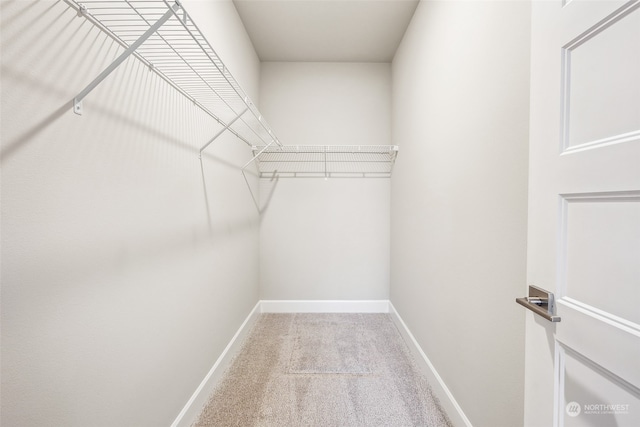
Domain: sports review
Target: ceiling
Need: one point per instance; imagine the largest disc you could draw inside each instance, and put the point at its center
(326, 30)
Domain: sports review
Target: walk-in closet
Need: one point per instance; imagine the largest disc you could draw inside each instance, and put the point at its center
(319, 212)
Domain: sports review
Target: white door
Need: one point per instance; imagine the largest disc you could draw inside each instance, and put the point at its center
(584, 214)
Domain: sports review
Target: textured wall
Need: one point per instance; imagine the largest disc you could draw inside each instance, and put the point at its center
(126, 266)
(326, 239)
(459, 197)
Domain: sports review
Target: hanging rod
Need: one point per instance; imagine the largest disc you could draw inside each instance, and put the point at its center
(162, 35)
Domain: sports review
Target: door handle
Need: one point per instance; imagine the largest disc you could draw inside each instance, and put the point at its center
(541, 302)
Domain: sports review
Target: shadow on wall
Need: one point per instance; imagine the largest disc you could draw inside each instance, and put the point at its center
(9, 148)
(267, 189)
(13, 77)
(230, 165)
(138, 111)
(7, 20)
(261, 202)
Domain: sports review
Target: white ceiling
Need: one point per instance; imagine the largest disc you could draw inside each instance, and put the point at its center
(326, 30)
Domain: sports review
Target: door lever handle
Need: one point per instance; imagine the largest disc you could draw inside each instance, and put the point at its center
(540, 302)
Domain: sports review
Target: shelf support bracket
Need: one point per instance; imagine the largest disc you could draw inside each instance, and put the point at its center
(223, 130)
(258, 155)
(77, 101)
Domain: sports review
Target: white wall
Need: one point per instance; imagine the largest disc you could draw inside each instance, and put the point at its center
(120, 287)
(326, 239)
(459, 198)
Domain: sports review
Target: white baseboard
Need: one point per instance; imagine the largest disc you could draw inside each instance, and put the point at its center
(199, 398)
(325, 306)
(448, 402)
(194, 406)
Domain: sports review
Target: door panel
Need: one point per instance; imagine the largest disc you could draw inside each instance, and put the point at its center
(600, 75)
(601, 399)
(608, 341)
(601, 251)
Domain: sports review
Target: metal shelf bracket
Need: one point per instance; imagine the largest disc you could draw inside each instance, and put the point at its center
(82, 10)
(77, 101)
(223, 130)
(164, 37)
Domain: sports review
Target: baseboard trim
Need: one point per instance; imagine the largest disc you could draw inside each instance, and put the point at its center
(325, 306)
(448, 402)
(199, 398)
(194, 406)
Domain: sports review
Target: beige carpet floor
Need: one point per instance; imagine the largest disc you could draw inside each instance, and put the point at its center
(323, 370)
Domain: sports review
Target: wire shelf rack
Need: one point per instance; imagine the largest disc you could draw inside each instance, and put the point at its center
(162, 35)
(326, 161)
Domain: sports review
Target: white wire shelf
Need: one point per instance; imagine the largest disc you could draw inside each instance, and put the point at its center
(162, 35)
(326, 161)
